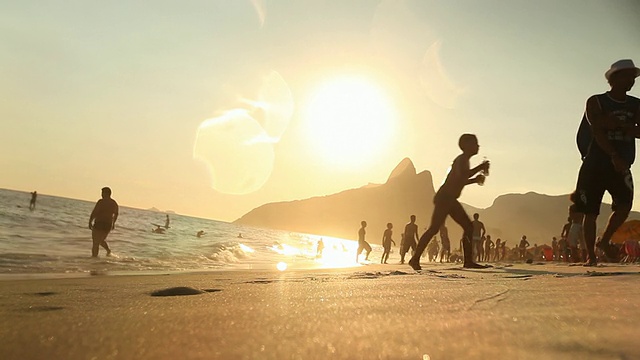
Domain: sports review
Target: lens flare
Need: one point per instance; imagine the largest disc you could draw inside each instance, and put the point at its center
(237, 146)
(233, 148)
(435, 81)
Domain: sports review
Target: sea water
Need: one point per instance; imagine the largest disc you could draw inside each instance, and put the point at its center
(55, 239)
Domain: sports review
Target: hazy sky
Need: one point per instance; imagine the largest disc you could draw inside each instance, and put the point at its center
(212, 108)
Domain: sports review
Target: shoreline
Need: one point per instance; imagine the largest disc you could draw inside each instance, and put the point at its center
(428, 266)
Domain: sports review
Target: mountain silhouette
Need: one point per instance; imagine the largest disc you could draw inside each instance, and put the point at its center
(406, 192)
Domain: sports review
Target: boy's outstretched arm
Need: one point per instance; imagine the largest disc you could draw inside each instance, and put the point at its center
(475, 180)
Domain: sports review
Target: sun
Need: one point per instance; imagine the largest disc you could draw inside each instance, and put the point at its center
(349, 121)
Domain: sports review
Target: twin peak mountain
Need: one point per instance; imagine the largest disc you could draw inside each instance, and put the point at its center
(407, 193)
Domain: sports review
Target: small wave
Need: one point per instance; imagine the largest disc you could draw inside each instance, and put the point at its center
(20, 256)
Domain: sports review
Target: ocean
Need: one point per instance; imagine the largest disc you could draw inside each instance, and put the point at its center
(54, 239)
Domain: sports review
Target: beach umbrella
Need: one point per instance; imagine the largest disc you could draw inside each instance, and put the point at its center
(629, 230)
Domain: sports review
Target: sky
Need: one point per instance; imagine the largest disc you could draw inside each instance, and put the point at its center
(213, 108)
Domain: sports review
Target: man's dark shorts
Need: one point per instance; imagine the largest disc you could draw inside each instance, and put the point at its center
(102, 226)
(597, 176)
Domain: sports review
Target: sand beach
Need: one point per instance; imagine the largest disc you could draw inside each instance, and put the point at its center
(519, 311)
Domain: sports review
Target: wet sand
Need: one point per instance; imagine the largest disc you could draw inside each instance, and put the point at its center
(538, 311)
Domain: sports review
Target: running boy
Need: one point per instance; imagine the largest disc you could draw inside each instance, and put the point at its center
(446, 201)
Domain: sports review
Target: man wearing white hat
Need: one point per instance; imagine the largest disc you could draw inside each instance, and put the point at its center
(613, 118)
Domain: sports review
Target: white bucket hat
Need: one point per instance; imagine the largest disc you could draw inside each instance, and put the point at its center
(621, 65)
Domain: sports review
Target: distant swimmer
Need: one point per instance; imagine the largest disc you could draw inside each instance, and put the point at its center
(239, 235)
(362, 244)
(319, 248)
(105, 214)
(446, 201)
(158, 230)
(409, 238)
(166, 222)
(200, 233)
(32, 203)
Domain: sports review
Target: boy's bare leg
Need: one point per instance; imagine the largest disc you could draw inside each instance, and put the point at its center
(460, 216)
(617, 218)
(437, 219)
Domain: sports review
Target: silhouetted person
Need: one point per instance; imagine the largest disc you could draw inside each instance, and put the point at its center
(362, 244)
(158, 230)
(166, 222)
(478, 233)
(576, 232)
(555, 249)
(32, 203)
(200, 233)
(433, 249)
(503, 249)
(488, 248)
(409, 238)
(524, 244)
(447, 204)
(386, 243)
(613, 118)
(105, 214)
(445, 252)
(496, 254)
(565, 229)
(563, 249)
(319, 248)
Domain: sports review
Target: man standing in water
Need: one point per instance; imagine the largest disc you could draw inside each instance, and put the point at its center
(105, 214)
(447, 204)
(410, 238)
(362, 244)
(32, 203)
(613, 118)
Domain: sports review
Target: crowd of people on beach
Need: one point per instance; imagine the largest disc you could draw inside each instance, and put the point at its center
(606, 141)
(569, 248)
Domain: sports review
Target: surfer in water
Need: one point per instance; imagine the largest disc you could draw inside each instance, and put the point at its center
(102, 221)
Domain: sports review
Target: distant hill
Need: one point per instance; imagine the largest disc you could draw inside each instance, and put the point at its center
(538, 216)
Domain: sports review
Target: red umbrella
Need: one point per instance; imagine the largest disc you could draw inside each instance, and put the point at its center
(626, 231)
